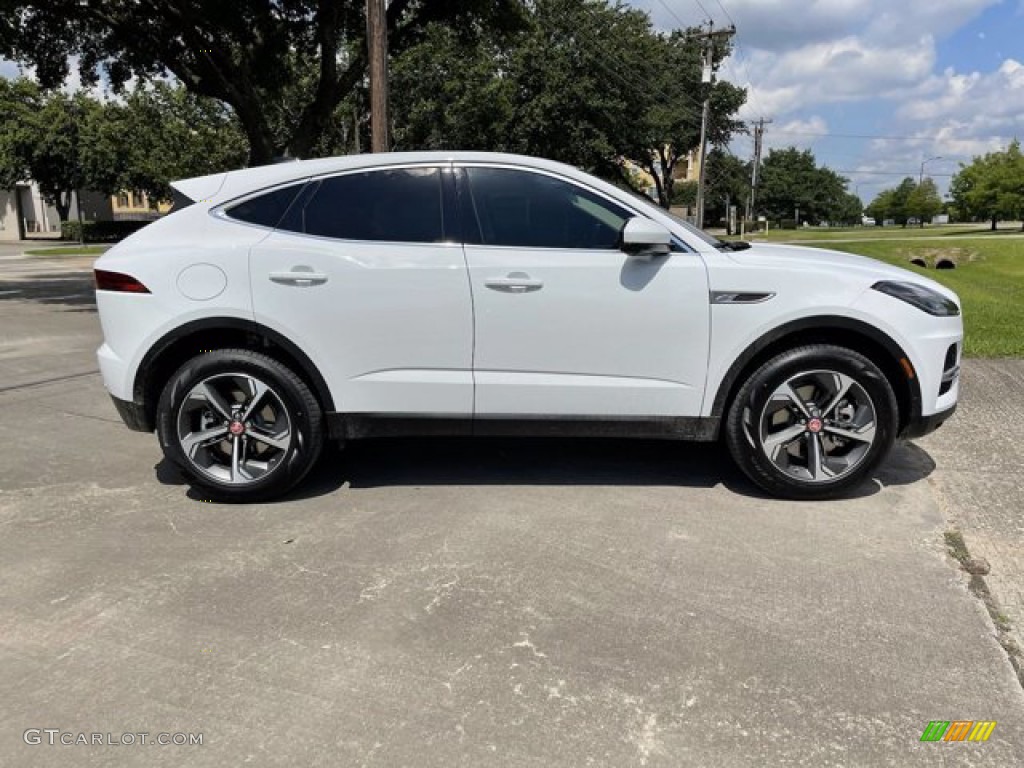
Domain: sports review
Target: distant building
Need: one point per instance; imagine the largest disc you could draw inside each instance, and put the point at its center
(687, 169)
(25, 214)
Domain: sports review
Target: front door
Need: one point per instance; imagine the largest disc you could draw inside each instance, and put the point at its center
(566, 323)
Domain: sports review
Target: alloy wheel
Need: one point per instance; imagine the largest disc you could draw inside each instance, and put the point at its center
(817, 426)
(234, 428)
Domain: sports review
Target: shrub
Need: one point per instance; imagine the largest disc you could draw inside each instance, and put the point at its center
(100, 231)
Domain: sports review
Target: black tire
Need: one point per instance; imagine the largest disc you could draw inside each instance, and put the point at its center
(762, 416)
(288, 416)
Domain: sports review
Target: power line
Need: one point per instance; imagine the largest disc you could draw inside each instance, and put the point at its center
(894, 173)
(673, 14)
(882, 138)
(703, 9)
(730, 18)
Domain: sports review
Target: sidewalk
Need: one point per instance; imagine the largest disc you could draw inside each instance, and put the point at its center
(979, 455)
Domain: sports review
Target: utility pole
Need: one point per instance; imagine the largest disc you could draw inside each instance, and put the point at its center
(708, 40)
(377, 45)
(755, 172)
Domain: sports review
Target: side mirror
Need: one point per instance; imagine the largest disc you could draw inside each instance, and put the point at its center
(643, 237)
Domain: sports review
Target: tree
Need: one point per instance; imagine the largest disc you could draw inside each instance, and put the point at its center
(892, 204)
(727, 180)
(173, 134)
(670, 131)
(882, 208)
(849, 211)
(68, 143)
(923, 202)
(991, 187)
(580, 81)
(283, 66)
(63, 143)
(791, 180)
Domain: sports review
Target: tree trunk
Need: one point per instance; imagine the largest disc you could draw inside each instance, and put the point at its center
(62, 202)
(261, 143)
(63, 210)
(662, 200)
(994, 221)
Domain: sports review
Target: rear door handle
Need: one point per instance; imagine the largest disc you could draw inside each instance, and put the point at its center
(514, 282)
(299, 276)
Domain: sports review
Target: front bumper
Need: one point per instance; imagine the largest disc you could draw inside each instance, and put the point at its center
(920, 425)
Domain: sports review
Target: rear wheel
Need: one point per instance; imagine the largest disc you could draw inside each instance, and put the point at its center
(242, 426)
(812, 422)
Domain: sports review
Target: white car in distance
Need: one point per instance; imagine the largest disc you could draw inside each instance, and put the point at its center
(477, 293)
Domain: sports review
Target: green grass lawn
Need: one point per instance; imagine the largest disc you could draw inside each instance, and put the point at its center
(989, 279)
(70, 250)
(815, 234)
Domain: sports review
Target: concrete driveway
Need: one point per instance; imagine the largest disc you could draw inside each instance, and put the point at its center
(448, 603)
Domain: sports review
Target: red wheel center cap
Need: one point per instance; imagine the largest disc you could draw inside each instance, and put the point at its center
(814, 425)
(236, 428)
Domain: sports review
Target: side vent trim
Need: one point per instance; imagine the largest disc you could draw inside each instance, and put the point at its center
(740, 297)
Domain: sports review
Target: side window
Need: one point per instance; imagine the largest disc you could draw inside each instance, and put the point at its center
(398, 205)
(267, 209)
(521, 208)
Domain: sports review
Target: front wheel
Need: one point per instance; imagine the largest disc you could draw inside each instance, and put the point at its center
(242, 426)
(812, 422)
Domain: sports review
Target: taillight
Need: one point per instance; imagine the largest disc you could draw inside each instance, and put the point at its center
(115, 281)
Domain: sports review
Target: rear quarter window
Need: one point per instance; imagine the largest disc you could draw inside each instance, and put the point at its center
(267, 209)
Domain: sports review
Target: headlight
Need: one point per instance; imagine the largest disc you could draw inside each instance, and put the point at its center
(925, 299)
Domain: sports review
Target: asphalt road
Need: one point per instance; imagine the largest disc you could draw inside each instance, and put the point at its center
(448, 603)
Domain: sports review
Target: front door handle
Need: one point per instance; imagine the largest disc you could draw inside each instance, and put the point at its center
(301, 276)
(514, 282)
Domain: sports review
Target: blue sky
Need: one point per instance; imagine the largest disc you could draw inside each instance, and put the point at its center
(935, 77)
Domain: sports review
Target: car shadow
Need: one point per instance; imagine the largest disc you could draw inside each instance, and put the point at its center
(73, 290)
(547, 461)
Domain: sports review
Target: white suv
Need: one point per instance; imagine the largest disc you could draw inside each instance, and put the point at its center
(472, 293)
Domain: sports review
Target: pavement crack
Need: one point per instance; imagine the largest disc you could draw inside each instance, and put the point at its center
(978, 587)
(52, 380)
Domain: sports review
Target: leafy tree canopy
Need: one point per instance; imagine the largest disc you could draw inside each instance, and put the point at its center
(67, 143)
(791, 180)
(581, 81)
(991, 187)
(283, 66)
(909, 200)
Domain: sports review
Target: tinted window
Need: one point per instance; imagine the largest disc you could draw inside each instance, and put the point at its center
(265, 210)
(401, 205)
(519, 208)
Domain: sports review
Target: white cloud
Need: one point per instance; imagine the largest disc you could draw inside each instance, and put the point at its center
(875, 58)
(844, 69)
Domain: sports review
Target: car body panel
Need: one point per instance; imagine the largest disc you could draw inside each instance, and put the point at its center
(391, 329)
(400, 328)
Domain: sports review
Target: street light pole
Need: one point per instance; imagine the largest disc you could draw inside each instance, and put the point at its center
(920, 178)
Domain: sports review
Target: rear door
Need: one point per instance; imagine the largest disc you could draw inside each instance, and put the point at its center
(364, 272)
(566, 323)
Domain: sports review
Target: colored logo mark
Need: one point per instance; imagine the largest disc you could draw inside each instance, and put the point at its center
(958, 730)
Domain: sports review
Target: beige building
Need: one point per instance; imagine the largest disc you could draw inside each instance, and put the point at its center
(25, 214)
(687, 169)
